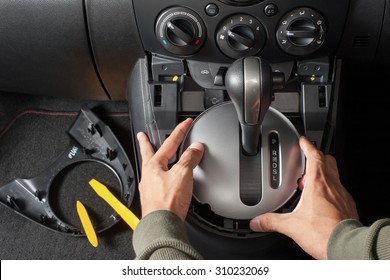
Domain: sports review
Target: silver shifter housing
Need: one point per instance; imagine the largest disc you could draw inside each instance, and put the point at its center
(234, 185)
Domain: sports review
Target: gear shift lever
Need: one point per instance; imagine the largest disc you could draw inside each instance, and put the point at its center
(250, 82)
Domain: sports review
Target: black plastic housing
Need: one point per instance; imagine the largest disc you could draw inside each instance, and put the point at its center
(335, 17)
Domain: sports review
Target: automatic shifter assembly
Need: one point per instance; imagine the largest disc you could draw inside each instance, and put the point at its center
(252, 158)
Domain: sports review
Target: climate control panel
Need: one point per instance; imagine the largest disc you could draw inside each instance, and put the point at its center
(221, 31)
(182, 31)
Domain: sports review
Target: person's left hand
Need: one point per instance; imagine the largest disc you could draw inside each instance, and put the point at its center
(168, 189)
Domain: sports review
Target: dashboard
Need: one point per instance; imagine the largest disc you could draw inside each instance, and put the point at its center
(86, 49)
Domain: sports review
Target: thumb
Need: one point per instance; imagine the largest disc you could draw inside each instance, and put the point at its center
(267, 222)
(192, 156)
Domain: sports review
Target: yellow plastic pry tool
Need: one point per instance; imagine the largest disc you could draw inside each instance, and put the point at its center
(118, 206)
(87, 224)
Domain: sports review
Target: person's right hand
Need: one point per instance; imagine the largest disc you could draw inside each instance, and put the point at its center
(162, 188)
(323, 204)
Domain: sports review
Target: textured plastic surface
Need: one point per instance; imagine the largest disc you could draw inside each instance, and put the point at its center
(157, 121)
(115, 42)
(363, 30)
(45, 49)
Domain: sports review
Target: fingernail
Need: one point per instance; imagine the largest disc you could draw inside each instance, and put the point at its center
(254, 224)
(197, 146)
(188, 120)
(138, 135)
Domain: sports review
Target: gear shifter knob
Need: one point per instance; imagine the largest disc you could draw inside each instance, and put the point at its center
(249, 83)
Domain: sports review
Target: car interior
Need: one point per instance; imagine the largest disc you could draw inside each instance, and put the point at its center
(80, 78)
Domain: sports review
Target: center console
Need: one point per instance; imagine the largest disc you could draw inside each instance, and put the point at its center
(254, 75)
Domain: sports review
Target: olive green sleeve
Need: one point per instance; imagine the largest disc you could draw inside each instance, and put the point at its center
(351, 240)
(161, 235)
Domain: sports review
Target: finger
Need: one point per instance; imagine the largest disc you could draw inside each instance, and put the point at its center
(146, 149)
(269, 222)
(172, 143)
(192, 156)
(312, 154)
(309, 149)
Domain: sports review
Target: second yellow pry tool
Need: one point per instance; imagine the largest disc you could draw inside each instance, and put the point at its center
(118, 206)
(87, 224)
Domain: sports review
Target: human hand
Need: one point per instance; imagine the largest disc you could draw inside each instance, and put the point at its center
(168, 189)
(323, 204)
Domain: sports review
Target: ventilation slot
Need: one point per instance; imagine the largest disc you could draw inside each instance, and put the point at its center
(361, 41)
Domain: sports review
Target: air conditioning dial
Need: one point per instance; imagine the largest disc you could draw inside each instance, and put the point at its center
(240, 35)
(180, 31)
(301, 31)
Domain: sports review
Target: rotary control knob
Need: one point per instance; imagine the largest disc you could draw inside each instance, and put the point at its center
(180, 31)
(301, 31)
(240, 35)
(241, 38)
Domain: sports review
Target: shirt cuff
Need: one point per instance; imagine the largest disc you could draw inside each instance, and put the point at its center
(346, 239)
(161, 234)
(351, 240)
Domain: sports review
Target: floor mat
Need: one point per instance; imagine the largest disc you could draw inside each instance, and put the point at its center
(29, 141)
